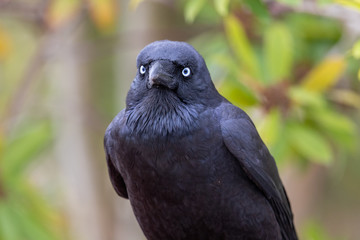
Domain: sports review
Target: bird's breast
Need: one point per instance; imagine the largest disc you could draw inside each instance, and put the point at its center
(174, 161)
(193, 180)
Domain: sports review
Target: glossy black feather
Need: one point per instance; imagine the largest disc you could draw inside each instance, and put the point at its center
(192, 165)
(241, 138)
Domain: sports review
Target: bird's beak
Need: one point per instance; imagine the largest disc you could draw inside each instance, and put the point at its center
(159, 75)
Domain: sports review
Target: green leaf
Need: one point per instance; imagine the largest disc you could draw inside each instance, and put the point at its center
(9, 228)
(280, 149)
(304, 97)
(222, 7)
(325, 75)
(290, 2)
(349, 3)
(339, 127)
(314, 231)
(309, 143)
(19, 152)
(192, 9)
(32, 228)
(323, 2)
(278, 52)
(241, 46)
(356, 50)
(240, 78)
(38, 208)
(314, 29)
(236, 93)
(259, 9)
(269, 127)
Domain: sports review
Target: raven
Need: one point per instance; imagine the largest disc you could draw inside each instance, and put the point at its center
(192, 164)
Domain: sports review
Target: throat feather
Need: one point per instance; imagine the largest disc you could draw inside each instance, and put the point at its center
(161, 115)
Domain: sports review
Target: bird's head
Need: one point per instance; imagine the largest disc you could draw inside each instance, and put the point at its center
(174, 69)
(171, 88)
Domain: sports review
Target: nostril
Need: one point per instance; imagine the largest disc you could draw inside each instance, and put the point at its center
(154, 80)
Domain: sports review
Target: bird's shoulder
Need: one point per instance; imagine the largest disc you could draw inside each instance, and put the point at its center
(116, 128)
(244, 142)
(226, 111)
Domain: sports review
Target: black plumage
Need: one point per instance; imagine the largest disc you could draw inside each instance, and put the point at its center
(192, 164)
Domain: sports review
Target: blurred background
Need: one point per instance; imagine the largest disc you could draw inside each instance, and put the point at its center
(65, 68)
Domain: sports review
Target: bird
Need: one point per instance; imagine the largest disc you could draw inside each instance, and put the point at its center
(191, 163)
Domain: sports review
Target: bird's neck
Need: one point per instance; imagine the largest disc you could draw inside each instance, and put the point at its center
(162, 114)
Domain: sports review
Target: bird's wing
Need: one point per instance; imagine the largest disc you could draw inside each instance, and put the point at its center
(109, 145)
(243, 141)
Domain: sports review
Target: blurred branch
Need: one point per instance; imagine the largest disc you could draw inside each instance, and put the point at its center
(28, 77)
(35, 13)
(348, 16)
(43, 53)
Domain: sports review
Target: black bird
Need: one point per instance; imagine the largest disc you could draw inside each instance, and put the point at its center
(192, 164)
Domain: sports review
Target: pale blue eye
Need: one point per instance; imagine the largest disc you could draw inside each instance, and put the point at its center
(142, 69)
(186, 72)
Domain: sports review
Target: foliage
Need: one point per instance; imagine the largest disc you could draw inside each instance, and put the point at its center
(102, 12)
(282, 73)
(356, 54)
(23, 212)
(314, 231)
(350, 3)
(285, 76)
